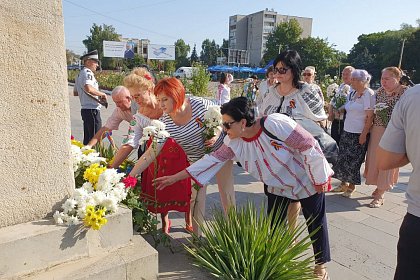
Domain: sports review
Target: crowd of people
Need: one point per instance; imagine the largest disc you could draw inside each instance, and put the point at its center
(263, 131)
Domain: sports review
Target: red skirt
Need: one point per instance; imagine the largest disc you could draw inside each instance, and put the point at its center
(170, 161)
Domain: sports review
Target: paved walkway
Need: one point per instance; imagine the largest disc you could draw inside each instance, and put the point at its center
(363, 240)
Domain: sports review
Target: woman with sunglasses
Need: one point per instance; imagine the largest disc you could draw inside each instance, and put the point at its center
(266, 148)
(295, 98)
(183, 118)
(172, 158)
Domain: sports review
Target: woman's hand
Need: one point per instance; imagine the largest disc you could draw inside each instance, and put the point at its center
(210, 143)
(362, 138)
(163, 182)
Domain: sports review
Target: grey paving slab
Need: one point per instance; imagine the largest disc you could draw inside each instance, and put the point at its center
(363, 240)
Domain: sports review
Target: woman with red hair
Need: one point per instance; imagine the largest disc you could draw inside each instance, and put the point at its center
(183, 117)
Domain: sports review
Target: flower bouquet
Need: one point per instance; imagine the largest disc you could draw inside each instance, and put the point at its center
(340, 97)
(212, 122)
(382, 110)
(98, 190)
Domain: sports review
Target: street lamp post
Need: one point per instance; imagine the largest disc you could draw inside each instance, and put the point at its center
(401, 53)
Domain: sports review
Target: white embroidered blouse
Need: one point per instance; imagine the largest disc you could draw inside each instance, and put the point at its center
(291, 167)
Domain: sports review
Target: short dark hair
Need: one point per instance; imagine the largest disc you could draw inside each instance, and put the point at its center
(223, 77)
(291, 59)
(239, 108)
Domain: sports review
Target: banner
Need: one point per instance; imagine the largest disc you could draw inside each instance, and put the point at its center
(161, 52)
(114, 49)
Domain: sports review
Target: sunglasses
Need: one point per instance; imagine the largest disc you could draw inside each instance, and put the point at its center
(307, 74)
(228, 125)
(281, 70)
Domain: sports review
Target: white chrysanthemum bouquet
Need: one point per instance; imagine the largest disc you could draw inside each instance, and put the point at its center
(338, 96)
(382, 110)
(212, 122)
(156, 130)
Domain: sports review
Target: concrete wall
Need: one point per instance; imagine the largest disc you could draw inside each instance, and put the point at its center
(35, 171)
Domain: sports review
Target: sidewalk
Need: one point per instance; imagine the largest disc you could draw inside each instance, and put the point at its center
(363, 240)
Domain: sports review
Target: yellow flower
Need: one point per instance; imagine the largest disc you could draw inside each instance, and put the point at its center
(77, 143)
(95, 219)
(86, 152)
(92, 173)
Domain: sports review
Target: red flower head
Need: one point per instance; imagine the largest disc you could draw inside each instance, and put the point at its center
(129, 182)
(147, 76)
(71, 137)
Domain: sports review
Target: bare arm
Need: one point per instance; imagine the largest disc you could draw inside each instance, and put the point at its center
(389, 160)
(366, 128)
(121, 155)
(91, 90)
(330, 113)
(98, 136)
(146, 159)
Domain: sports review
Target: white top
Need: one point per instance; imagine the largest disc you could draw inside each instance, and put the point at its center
(291, 167)
(262, 92)
(402, 136)
(118, 115)
(135, 130)
(223, 94)
(356, 110)
(302, 103)
(86, 77)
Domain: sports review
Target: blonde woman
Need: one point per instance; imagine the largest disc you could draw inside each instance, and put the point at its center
(389, 93)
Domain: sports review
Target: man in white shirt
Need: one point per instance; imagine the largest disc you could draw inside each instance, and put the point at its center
(123, 112)
(398, 146)
(87, 88)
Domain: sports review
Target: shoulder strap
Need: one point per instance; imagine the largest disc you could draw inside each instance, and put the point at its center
(266, 131)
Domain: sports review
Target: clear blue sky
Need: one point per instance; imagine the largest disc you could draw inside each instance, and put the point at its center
(165, 21)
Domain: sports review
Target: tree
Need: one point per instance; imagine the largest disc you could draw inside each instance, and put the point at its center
(181, 53)
(98, 34)
(209, 50)
(283, 37)
(319, 53)
(71, 57)
(194, 56)
(411, 57)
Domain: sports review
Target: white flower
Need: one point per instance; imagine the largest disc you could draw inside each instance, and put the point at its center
(69, 205)
(98, 197)
(345, 89)
(380, 106)
(72, 220)
(163, 134)
(332, 89)
(88, 187)
(58, 218)
(108, 179)
(111, 204)
(158, 125)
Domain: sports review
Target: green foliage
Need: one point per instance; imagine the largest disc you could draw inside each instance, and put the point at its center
(199, 81)
(194, 56)
(72, 75)
(325, 81)
(181, 53)
(170, 66)
(244, 245)
(99, 33)
(71, 57)
(282, 38)
(109, 80)
(131, 63)
(209, 52)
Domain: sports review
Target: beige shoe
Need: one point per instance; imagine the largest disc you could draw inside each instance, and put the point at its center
(349, 191)
(341, 188)
(376, 203)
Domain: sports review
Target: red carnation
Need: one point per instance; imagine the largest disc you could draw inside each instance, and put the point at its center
(129, 181)
(147, 76)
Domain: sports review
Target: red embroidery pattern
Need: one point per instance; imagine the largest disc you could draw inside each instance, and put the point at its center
(259, 170)
(208, 168)
(224, 153)
(300, 139)
(272, 173)
(246, 166)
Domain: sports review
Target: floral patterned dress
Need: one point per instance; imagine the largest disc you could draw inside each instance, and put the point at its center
(384, 180)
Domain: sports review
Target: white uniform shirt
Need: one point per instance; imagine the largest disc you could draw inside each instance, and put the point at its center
(86, 77)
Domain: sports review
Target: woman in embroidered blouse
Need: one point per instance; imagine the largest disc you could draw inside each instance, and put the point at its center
(355, 136)
(183, 117)
(296, 155)
(389, 93)
(223, 90)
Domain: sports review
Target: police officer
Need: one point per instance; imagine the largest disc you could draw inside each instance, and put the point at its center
(86, 87)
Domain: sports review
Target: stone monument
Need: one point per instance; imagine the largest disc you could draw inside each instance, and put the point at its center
(35, 170)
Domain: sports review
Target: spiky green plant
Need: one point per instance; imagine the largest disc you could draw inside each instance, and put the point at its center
(244, 245)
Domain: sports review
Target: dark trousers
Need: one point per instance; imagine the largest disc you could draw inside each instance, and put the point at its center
(408, 255)
(92, 122)
(337, 127)
(313, 209)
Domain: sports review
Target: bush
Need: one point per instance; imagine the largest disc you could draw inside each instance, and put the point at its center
(199, 81)
(244, 245)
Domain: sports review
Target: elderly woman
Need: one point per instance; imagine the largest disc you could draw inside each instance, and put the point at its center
(388, 94)
(280, 153)
(354, 139)
(183, 118)
(309, 78)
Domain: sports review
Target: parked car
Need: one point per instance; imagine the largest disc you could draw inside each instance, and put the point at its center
(74, 67)
(184, 72)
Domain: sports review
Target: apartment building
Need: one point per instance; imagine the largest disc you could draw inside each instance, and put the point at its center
(248, 34)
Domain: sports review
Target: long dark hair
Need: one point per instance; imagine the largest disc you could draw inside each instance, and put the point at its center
(291, 59)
